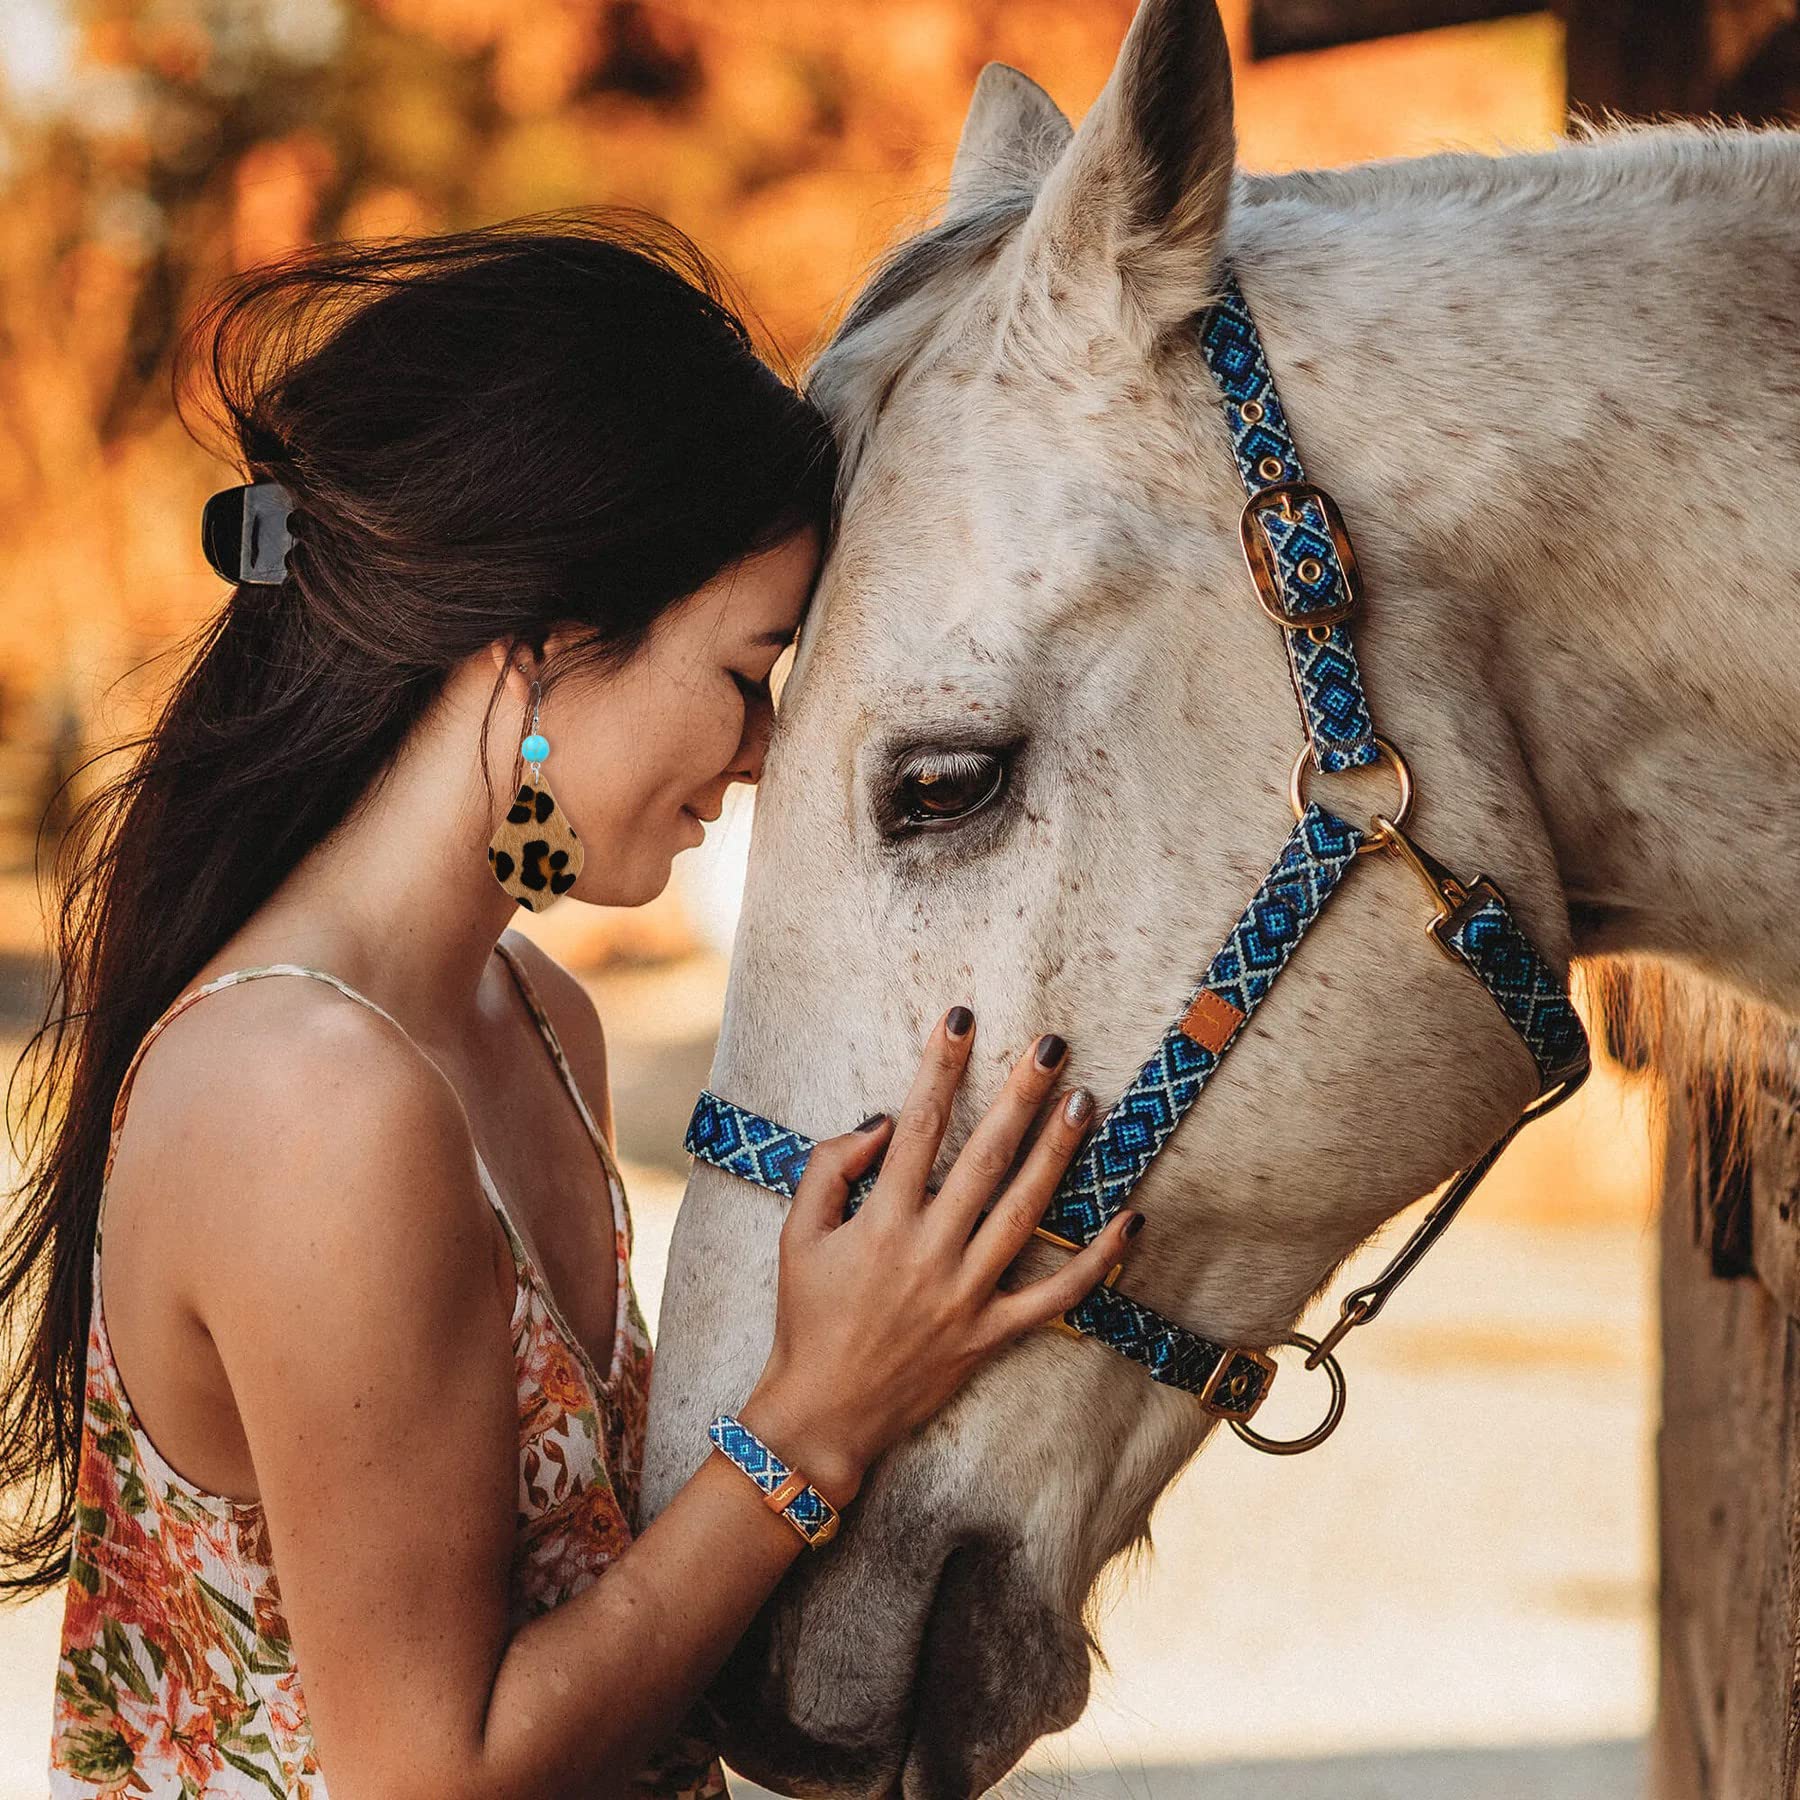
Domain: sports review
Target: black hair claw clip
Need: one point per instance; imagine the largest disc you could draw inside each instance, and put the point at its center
(244, 532)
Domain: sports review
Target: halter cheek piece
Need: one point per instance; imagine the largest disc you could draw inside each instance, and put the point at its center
(1304, 571)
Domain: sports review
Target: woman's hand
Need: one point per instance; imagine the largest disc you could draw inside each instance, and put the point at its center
(880, 1318)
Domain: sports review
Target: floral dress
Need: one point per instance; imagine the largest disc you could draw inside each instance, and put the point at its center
(177, 1678)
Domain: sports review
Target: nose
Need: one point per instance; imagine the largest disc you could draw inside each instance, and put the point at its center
(753, 747)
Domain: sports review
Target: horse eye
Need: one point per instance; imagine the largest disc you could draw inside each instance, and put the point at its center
(944, 786)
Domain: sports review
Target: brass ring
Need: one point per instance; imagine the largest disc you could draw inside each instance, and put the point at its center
(1320, 1432)
(1297, 796)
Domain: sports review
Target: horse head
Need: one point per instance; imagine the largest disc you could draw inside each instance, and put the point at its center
(1034, 756)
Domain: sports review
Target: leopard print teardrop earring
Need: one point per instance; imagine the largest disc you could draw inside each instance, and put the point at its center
(534, 853)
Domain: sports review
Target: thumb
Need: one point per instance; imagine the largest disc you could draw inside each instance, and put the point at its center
(831, 1169)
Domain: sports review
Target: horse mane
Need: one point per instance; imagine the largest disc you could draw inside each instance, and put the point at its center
(1693, 1036)
(1601, 158)
(913, 286)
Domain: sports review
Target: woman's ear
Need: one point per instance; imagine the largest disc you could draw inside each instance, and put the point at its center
(509, 668)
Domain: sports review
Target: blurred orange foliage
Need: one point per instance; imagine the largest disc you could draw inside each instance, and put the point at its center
(793, 139)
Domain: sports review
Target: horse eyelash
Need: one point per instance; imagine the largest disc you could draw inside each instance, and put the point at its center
(898, 827)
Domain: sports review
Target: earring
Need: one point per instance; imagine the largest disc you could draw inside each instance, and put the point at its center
(535, 854)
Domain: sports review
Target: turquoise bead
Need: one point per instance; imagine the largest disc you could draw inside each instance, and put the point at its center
(535, 748)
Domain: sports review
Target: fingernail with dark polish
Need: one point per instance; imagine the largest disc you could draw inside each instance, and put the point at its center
(958, 1020)
(1078, 1105)
(1134, 1224)
(872, 1121)
(1050, 1051)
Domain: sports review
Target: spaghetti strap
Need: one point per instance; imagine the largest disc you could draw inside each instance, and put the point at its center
(175, 1009)
(623, 1230)
(553, 1043)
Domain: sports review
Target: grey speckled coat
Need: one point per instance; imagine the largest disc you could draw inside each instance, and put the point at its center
(1558, 399)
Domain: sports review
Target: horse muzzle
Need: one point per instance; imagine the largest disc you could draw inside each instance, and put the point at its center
(809, 1703)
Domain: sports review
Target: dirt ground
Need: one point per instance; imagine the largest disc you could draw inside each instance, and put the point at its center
(1453, 1600)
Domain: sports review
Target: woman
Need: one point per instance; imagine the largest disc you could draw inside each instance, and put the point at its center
(337, 1444)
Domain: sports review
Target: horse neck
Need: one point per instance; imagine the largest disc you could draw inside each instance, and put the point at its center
(1568, 388)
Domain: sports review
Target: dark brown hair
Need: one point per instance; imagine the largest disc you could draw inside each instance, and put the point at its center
(560, 421)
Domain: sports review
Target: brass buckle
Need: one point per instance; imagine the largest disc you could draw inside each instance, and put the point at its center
(1265, 573)
(1209, 1402)
(781, 1497)
(1063, 1243)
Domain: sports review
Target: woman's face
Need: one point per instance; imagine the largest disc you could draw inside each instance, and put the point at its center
(641, 757)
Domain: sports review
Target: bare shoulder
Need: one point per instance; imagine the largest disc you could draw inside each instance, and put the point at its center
(279, 1113)
(574, 1020)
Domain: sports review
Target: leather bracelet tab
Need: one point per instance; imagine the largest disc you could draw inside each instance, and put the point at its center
(784, 1491)
(778, 1500)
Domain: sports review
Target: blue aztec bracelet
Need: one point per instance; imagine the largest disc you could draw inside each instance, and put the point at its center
(784, 1490)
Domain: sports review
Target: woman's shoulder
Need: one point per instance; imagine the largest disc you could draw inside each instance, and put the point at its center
(295, 1179)
(275, 1046)
(286, 1093)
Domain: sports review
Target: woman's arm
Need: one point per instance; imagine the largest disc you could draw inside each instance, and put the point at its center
(357, 1314)
(360, 1322)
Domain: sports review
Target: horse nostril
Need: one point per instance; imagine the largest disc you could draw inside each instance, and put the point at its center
(998, 1667)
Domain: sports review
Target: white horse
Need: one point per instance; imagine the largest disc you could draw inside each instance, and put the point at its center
(1557, 398)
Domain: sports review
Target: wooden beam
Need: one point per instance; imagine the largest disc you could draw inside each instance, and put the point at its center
(1741, 31)
(1678, 56)
(1767, 88)
(1278, 27)
(1637, 56)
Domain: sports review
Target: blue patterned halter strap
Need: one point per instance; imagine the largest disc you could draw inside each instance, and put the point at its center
(1294, 541)
(1304, 570)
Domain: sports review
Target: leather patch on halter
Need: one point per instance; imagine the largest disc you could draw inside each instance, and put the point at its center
(1210, 1021)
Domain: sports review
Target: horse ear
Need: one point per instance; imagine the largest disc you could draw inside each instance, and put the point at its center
(1141, 197)
(1011, 139)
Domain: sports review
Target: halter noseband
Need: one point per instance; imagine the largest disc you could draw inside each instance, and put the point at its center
(1304, 571)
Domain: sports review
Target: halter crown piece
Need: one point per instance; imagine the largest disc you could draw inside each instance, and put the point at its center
(1304, 573)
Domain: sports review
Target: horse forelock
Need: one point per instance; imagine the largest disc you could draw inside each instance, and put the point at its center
(900, 313)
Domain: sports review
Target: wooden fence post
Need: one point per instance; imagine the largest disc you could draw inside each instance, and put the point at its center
(1728, 1723)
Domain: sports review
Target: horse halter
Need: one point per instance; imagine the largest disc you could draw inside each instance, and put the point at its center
(1305, 576)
